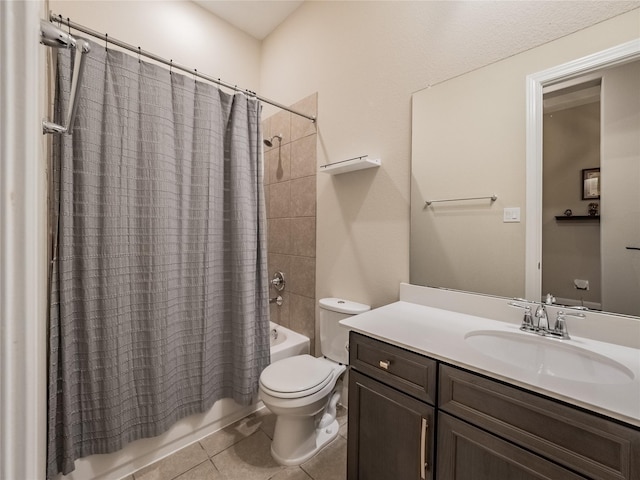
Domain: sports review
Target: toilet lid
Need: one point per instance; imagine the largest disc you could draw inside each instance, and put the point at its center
(296, 374)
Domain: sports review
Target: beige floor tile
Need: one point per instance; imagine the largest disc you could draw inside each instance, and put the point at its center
(223, 439)
(291, 473)
(268, 425)
(341, 415)
(174, 465)
(249, 459)
(204, 471)
(330, 463)
(343, 430)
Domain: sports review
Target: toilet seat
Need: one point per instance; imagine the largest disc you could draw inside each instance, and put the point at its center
(296, 377)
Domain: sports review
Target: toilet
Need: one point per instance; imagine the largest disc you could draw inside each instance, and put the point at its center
(303, 391)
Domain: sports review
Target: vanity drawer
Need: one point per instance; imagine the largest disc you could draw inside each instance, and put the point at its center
(406, 371)
(588, 444)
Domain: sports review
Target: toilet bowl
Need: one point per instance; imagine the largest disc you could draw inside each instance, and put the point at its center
(303, 391)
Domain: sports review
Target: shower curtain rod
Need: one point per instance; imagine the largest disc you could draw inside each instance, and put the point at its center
(66, 21)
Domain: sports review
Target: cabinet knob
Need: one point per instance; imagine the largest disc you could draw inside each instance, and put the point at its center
(384, 364)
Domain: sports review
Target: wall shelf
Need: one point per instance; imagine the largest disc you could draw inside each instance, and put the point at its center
(578, 217)
(350, 165)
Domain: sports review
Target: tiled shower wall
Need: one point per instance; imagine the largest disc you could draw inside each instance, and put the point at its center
(290, 189)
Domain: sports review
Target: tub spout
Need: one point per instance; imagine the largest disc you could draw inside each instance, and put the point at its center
(277, 300)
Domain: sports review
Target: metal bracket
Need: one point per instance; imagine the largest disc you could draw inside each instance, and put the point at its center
(52, 36)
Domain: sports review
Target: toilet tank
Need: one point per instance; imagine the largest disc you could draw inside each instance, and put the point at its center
(334, 338)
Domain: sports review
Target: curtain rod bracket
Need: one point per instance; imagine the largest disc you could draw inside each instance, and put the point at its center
(52, 36)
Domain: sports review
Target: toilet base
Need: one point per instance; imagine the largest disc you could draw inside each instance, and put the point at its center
(322, 437)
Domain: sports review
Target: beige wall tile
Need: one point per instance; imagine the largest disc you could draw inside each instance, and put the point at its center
(280, 164)
(281, 124)
(279, 263)
(280, 200)
(303, 157)
(269, 159)
(266, 200)
(279, 235)
(303, 318)
(303, 236)
(290, 179)
(300, 126)
(280, 314)
(303, 193)
(303, 276)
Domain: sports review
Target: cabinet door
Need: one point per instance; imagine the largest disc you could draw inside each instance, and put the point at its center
(467, 453)
(390, 433)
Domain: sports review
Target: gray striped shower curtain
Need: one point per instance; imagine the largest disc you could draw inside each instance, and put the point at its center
(159, 290)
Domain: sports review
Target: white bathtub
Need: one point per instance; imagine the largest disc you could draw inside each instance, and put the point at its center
(286, 343)
(224, 412)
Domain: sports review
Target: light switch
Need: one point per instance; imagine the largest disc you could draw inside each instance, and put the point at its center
(511, 215)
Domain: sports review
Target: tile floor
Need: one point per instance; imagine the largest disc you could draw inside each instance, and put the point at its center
(241, 451)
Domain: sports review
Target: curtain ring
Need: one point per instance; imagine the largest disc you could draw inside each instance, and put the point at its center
(60, 20)
(170, 66)
(106, 41)
(138, 54)
(195, 74)
(69, 25)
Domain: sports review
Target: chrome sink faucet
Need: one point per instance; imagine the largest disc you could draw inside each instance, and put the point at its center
(541, 324)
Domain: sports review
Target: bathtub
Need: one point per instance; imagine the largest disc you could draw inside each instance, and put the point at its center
(140, 453)
(286, 343)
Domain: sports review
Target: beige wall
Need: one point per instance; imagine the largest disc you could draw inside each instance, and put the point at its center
(177, 30)
(290, 190)
(365, 59)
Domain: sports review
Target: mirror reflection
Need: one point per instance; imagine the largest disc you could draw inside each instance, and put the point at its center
(468, 141)
(591, 191)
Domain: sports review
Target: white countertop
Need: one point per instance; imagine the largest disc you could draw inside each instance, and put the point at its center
(440, 334)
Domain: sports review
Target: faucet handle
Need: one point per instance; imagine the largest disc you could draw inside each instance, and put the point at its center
(527, 320)
(560, 329)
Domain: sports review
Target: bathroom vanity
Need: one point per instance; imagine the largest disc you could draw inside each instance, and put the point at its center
(424, 403)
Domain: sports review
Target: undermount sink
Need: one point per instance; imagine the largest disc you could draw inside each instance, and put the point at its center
(549, 357)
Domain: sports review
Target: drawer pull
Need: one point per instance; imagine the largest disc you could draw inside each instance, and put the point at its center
(384, 364)
(423, 449)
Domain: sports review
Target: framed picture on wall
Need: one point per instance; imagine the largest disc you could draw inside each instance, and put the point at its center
(590, 183)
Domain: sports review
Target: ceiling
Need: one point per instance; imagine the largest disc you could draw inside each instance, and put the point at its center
(258, 18)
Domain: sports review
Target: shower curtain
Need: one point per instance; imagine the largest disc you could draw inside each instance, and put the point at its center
(159, 291)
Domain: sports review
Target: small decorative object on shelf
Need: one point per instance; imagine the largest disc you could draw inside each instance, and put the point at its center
(568, 212)
(593, 209)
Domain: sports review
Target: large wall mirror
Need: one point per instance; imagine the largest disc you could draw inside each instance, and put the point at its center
(526, 173)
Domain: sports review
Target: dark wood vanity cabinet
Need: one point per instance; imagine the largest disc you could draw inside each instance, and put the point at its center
(391, 423)
(478, 428)
(579, 441)
(466, 452)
